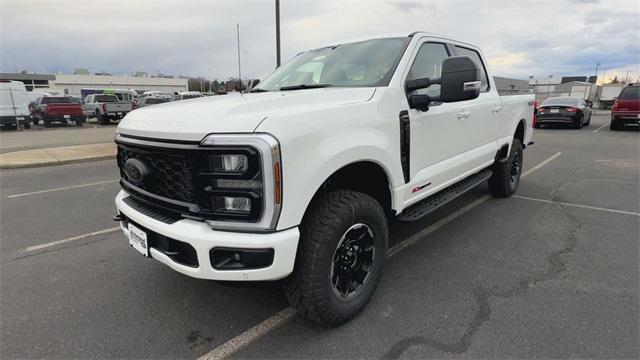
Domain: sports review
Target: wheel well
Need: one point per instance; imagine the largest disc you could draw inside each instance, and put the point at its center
(520, 133)
(366, 177)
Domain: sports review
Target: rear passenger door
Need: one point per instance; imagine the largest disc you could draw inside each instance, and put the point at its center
(450, 139)
(485, 111)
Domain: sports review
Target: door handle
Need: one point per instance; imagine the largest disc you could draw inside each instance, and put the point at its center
(463, 114)
(496, 109)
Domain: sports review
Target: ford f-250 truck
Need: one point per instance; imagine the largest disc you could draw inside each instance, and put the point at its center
(105, 107)
(299, 178)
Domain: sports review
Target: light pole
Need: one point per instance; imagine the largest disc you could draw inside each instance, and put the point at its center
(277, 33)
(239, 72)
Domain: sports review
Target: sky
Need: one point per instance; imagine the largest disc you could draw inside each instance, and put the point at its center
(198, 38)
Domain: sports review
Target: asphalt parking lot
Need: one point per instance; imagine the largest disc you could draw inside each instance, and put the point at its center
(58, 135)
(550, 273)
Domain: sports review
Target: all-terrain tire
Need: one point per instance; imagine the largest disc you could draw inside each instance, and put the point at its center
(506, 174)
(328, 220)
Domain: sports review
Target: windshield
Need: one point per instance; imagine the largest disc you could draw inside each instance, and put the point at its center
(367, 63)
(56, 100)
(106, 98)
(560, 101)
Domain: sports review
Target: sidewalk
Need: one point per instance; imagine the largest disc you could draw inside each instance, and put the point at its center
(57, 155)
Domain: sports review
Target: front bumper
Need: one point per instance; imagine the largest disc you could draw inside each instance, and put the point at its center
(202, 238)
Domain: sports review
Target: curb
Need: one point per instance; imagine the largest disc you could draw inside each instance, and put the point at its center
(57, 156)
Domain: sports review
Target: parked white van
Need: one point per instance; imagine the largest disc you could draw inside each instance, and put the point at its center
(14, 104)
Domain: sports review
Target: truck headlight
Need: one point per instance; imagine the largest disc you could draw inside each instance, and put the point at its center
(242, 181)
(233, 163)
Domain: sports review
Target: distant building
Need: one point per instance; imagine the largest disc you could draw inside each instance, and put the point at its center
(506, 86)
(31, 81)
(568, 79)
(81, 71)
(72, 83)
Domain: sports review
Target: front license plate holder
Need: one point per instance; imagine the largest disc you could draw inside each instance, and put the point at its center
(138, 240)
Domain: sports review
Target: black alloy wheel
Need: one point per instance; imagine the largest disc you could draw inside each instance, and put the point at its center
(352, 260)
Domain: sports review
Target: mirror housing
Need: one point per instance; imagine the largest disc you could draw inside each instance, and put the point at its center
(419, 102)
(460, 79)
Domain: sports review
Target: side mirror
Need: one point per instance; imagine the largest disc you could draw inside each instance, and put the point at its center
(460, 79)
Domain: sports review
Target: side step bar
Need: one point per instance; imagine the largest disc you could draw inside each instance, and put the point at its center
(444, 196)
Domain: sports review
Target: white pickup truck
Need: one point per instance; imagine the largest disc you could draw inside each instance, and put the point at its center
(105, 108)
(299, 178)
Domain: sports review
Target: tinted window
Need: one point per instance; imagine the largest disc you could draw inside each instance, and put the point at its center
(155, 101)
(630, 93)
(428, 64)
(560, 101)
(106, 98)
(476, 57)
(56, 100)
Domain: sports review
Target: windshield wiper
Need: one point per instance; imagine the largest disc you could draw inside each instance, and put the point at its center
(304, 86)
(257, 90)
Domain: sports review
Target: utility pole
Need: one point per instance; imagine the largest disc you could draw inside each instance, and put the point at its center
(596, 73)
(239, 72)
(277, 33)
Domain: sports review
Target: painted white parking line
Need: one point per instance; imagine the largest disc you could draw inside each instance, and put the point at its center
(282, 317)
(578, 205)
(541, 164)
(250, 335)
(74, 238)
(61, 189)
(601, 127)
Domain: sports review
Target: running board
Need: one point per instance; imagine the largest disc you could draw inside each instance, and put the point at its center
(433, 202)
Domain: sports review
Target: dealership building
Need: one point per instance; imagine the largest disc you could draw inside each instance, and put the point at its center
(71, 84)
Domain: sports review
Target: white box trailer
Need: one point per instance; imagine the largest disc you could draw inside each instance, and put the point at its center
(608, 95)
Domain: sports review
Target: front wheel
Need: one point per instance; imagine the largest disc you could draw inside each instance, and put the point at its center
(506, 174)
(343, 241)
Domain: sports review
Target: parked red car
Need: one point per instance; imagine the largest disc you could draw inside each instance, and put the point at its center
(626, 108)
(60, 109)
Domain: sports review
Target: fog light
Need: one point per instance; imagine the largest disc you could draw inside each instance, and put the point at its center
(232, 204)
(233, 163)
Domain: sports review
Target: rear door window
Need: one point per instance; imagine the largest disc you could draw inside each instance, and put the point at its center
(476, 57)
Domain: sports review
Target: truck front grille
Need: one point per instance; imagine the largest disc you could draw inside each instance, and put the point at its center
(171, 171)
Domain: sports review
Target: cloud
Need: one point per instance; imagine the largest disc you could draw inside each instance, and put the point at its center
(198, 37)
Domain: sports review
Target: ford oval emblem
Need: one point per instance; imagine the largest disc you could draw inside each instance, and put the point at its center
(136, 171)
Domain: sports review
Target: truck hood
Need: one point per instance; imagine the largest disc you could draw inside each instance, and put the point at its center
(234, 113)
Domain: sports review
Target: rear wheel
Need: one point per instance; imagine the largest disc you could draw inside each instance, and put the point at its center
(506, 174)
(578, 124)
(102, 119)
(343, 242)
(614, 124)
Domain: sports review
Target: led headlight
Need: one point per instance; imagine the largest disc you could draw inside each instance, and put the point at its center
(232, 204)
(242, 182)
(232, 163)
